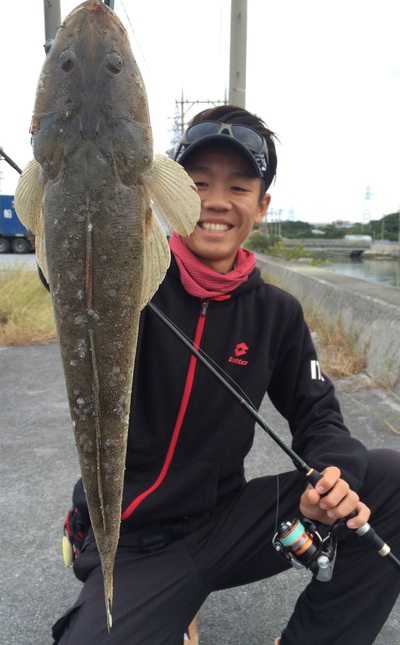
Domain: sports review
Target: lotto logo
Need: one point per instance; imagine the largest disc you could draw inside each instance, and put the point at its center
(240, 350)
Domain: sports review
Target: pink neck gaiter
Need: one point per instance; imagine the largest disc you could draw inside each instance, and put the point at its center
(203, 282)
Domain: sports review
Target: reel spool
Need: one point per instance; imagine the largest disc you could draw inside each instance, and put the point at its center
(304, 548)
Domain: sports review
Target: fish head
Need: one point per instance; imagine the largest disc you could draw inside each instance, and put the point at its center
(91, 89)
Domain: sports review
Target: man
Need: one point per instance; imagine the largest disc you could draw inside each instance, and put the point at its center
(191, 524)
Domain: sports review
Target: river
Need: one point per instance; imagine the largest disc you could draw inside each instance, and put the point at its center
(385, 272)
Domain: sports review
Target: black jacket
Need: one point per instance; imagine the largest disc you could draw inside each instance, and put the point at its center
(188, 436)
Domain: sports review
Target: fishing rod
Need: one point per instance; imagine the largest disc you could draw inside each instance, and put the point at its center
(301, 545)
(299, 542)
(10, 161)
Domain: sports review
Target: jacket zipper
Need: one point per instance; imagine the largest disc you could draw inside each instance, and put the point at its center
(180, 418)
(204, 307)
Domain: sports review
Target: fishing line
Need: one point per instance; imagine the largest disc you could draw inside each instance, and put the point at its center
(277, 504)
(134, 34)
(365, 531)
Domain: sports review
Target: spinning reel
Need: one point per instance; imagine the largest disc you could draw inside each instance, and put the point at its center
(301, 545)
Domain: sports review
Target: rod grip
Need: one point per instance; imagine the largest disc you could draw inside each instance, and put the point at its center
(314, 477)
(368, 533)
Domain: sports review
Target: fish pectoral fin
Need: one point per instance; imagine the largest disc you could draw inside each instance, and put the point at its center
(28, 196)
(174, 195)
(28, 205)
(156, 257)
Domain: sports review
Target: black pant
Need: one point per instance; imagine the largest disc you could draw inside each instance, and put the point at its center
(157, 594)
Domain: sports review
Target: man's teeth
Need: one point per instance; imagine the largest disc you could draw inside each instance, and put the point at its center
(209, 226)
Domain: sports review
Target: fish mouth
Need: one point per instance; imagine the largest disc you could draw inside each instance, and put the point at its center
(215, 227)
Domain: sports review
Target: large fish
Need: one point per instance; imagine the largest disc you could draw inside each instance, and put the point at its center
(86, 196)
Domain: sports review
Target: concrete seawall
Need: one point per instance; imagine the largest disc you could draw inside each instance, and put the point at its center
(372, 311)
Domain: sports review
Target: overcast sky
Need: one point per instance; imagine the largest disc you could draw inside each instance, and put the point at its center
(324, 75)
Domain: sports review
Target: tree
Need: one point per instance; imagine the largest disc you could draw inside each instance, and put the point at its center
(296, 230)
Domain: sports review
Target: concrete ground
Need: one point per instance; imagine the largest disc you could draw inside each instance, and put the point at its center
(39, 467)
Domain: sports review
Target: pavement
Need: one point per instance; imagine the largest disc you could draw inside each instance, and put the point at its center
(39, 468)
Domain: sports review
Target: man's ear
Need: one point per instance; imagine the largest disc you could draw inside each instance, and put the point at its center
(262, 208)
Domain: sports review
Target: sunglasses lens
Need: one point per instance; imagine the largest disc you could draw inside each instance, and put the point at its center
(250, 138)
(200, 130)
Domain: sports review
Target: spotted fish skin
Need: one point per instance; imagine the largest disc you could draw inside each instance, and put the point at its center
(87, 197)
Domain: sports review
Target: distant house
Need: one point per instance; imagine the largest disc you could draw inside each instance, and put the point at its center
(339, 223)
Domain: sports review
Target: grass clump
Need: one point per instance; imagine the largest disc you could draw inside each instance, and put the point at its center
(261, 243)
(339, 349)
(26, 311)
(273, 246)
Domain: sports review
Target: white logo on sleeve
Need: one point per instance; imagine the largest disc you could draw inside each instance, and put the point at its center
(316, 373)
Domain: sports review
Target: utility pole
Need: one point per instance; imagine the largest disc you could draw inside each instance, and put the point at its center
(184, 106)
(52, 18)
(238, 50)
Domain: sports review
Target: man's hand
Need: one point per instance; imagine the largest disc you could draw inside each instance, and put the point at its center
(332, 499)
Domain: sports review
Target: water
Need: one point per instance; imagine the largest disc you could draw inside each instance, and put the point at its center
(385, 272)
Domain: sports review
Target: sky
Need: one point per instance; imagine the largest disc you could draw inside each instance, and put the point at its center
(325, 76)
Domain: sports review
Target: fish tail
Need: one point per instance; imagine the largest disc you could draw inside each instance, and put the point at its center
(108, 595)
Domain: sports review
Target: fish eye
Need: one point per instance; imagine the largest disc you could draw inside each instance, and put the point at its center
(114, 62)
(67, 59)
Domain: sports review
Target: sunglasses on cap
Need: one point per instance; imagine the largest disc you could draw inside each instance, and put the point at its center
(252, 141)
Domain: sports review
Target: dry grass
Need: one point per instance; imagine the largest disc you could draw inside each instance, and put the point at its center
(26, 312)
(339, 350)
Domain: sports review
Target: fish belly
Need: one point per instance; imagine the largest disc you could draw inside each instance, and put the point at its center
(94, 248)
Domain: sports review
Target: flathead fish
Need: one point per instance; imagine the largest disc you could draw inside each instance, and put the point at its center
(87, 197)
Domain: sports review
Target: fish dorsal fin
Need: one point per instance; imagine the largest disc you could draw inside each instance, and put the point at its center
(156, 257)
(28, 205)
(174, 195)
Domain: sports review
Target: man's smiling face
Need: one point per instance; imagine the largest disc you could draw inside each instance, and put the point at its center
(230, 205)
